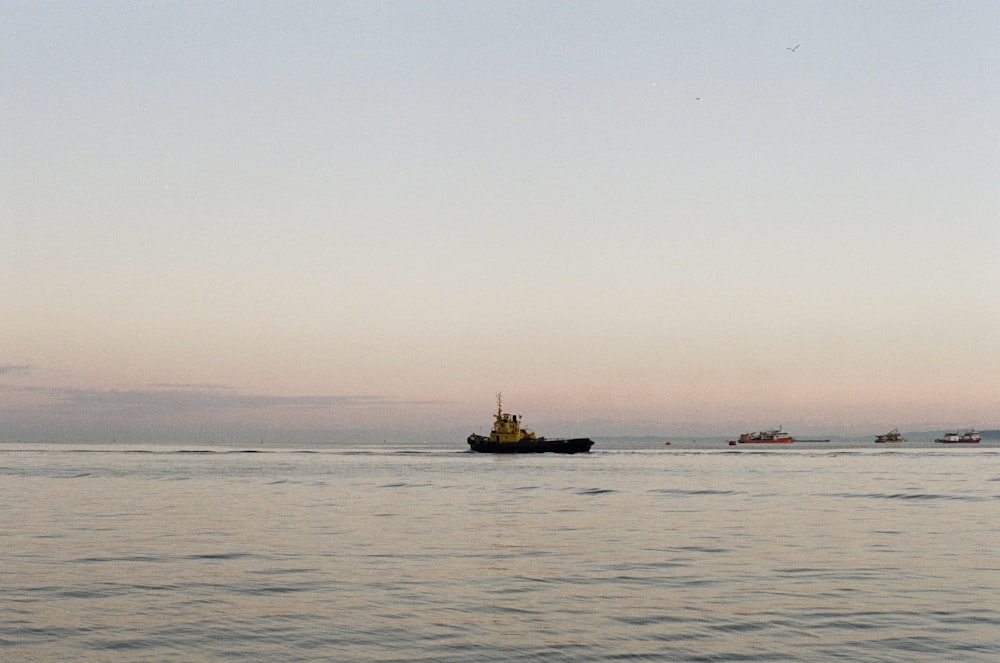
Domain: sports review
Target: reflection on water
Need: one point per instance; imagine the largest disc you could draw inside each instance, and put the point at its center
(368, 555)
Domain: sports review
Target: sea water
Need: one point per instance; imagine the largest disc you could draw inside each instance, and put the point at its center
(433, 553)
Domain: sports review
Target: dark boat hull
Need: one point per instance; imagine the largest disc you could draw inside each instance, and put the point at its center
(577, 445)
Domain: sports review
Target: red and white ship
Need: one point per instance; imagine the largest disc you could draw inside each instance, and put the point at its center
(971, 436)
(773, 436)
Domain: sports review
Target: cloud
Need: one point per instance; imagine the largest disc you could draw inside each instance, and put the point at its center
(202, 404)
(192, 412)
(195, 386)
(181, 398)
(10, 369)
(213, 397)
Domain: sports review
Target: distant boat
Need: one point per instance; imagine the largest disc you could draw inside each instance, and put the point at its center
(507, 437)
(892, 437)
(970, 436)
(773, 436)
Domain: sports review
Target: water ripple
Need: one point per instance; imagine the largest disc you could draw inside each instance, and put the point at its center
(375, 556)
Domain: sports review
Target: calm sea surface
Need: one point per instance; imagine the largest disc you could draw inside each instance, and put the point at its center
(430, 553)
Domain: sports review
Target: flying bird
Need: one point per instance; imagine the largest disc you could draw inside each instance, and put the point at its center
(789, 48)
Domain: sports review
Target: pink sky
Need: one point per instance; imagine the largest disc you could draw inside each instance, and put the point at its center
(649, 216)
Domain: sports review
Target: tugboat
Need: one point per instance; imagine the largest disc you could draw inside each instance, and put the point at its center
(508, 437)
(773, 436)
(892, 436)
(971, 436)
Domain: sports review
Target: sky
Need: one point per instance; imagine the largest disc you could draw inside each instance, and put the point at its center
(231, 219)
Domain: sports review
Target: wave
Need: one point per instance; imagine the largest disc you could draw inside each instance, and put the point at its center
(910, 496)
